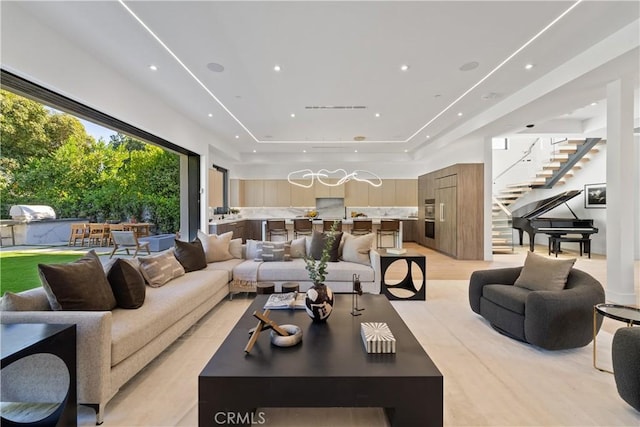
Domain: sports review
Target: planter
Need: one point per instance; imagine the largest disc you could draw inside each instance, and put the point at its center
(319, 302)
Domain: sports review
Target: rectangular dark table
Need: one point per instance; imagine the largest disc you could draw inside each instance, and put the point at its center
(330, 368)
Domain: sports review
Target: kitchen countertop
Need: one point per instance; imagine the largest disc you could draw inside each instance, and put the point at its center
(316, 221)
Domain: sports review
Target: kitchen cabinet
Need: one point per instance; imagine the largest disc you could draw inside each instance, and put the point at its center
(237, 227)
(253, 229)
(406, 192)
(356, 193)
(254, 193)
(236, 192)
(328, 190)
(409, 230)
(302, 197)
(458, 191)
(277, 193)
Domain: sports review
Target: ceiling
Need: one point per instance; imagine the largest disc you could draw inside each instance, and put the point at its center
(340, 65)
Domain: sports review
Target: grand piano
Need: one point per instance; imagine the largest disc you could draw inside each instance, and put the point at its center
(527, 218)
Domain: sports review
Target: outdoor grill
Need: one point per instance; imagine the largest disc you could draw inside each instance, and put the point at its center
(29, 213)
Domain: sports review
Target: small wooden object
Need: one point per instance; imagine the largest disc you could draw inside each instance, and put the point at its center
(263, 323)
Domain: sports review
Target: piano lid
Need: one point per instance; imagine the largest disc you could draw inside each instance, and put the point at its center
(535, 209)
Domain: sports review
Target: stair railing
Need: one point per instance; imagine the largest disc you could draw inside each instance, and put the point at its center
(501, 205)
(526, 154)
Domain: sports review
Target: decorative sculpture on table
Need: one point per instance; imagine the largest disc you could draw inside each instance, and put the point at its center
(281, 335)
(357, 290)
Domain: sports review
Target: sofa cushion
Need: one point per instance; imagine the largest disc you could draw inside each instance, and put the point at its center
(252, 248)
(356, 248)
(126, 283)
(275, 251)
(235, 248)
(77, 285)
(227, 266)
(30, 300)
(544, 274)
(216, 247)
(510, 297)
(190, 255)
(163, 307)
(159, 269)
(295, 271)
(298, 248)
(318, 242)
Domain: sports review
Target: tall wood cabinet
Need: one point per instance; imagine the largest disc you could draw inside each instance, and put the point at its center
(459, 198)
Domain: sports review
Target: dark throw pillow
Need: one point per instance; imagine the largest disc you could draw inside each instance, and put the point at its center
(190, 255)
(127, 283)
(78, 285)
(318, 242)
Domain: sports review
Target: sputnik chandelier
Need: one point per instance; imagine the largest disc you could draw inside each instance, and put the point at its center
(309, 177)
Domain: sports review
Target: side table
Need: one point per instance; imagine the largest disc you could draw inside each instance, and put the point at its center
(408, 288)
(25, 339)
(622, 313)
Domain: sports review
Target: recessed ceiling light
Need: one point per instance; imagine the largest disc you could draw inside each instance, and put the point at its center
(215, 67)
(406, 151)
(428, 136)
(404, 67)
(593, 104)
(469, 66)
(237, 136)
(529, 66)
(304, 151)
(459, 114)
(355, 151)
(210, 115)
(153, 67)
(255, 151)
(377, 114)
(293, 114)
(276, 68)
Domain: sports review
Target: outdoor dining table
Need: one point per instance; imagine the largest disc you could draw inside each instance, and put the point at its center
(140, 229)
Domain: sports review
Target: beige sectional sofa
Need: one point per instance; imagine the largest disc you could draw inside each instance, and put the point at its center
(113, 346)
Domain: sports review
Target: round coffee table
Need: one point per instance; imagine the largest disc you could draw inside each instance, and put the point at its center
(623, 313)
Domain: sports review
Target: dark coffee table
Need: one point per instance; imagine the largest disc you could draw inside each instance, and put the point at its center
(330, 368)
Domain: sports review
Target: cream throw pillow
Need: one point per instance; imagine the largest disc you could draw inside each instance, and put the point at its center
(356, 249)
(544, 274)
(216, 247)
(159, 269)
(235, 248)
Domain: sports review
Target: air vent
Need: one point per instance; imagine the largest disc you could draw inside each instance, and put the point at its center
(335, 107)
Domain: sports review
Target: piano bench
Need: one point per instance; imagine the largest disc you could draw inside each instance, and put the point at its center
(585, 244)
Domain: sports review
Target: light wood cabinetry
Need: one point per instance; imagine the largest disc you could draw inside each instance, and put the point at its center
(328, 191)
(356, 193)
(459, 195)
(406, 192)
(236, 192)
(302, 197)
(253, 193)
(277, 193)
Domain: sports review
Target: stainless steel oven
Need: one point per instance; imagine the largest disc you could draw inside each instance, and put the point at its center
(430, 218)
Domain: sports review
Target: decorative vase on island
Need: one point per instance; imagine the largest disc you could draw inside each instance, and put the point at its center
(319, 302)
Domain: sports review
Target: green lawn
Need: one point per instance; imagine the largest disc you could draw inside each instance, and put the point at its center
(19, 269)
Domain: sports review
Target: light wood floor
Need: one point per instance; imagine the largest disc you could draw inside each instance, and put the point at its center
(490, 380)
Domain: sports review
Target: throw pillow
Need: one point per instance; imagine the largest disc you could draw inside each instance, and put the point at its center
(544, 274)
(235, 248)
(356, 248)
(252, 249)
(216, 247)
(159, 269)
(77, 285)
(127, 283)
(276, 251)
(299, 248)
(190, 255)
(318, 241)
(24, 302)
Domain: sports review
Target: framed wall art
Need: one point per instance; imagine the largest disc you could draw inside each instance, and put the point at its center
(595, 196)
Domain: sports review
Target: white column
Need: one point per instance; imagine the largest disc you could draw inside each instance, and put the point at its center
(488, 198)
(621, 197)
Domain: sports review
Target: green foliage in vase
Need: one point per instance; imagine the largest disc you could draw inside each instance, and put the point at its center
(318, 269)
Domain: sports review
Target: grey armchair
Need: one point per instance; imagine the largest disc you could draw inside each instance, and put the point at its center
(553, 320)
(625, 352)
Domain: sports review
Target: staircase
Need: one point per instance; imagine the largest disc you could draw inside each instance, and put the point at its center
(567, 157)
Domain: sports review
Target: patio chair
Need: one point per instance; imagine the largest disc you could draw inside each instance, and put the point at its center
(127, 240)
(79, 231)
(98, 234)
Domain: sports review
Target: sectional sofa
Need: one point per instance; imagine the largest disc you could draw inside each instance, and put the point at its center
(114, 345)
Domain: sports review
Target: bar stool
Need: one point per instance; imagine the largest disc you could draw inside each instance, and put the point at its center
(302, 227)
(277, 227)
(388, 227)
(265, 288)
(327, 224)
(361, 227)
(290, 287)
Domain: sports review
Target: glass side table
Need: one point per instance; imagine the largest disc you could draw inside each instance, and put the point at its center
(623, 313)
